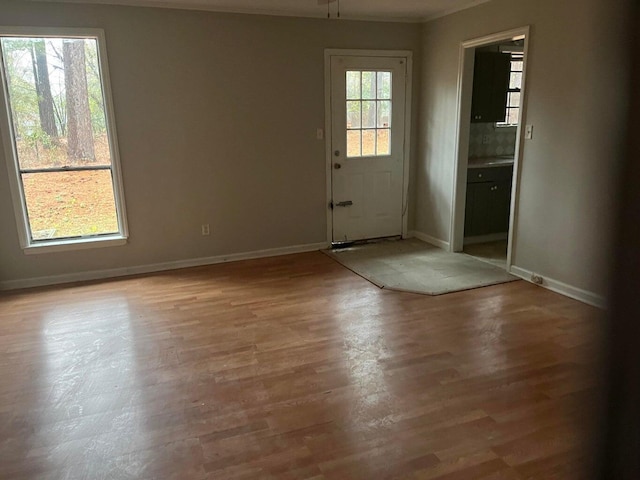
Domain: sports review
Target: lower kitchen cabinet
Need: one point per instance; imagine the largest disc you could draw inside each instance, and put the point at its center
(488, 201)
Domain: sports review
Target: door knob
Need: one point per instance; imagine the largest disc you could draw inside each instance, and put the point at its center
(337, 166)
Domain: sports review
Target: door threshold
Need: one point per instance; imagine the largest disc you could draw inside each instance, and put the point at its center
(354, 243)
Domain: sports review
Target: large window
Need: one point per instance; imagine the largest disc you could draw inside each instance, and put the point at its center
(60, 139)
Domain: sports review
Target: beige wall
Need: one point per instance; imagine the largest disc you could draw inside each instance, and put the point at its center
(217, 118)
(575, 86)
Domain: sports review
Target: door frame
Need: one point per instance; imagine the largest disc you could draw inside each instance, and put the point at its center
(408, 56)
(463, 123)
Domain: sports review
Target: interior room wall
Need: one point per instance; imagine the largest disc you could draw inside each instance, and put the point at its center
(216, 117)
(576, 82)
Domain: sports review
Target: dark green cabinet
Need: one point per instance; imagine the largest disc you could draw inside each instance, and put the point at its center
(490, 87)
(488, 201)
(499, 206)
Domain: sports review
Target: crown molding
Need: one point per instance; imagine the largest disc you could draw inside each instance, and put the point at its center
(174, 5)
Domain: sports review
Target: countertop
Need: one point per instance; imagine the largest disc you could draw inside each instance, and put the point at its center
(488, 162)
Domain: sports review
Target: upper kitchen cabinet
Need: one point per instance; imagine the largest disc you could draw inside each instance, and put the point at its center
(490, 87)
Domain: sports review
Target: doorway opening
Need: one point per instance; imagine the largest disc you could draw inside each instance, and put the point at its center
(490, 125)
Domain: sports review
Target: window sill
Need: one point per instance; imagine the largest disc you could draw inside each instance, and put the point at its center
(74, 244)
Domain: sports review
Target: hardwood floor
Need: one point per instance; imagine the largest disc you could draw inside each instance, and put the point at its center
(292, 368)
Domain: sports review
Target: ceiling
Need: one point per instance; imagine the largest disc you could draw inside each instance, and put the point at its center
(400, 10)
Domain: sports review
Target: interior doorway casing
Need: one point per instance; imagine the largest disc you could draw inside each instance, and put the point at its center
(408, 56)
(465, 89)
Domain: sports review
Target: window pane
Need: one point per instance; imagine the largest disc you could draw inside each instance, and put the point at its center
(368, 142)
(369, 85)
(353, 143)
(353, 85)
(513, 116)
(516, 80)
(353, 114)
(516, 66)
(69, 204)
(368, 114)
(514, 99)
(384, 85)
(56, 99)
(384, 142)
(384, 114)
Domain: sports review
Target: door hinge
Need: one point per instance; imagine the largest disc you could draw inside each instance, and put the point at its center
(330, 205)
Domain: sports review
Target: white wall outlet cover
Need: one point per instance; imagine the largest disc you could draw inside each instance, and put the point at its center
(319, 134)
(205, 229)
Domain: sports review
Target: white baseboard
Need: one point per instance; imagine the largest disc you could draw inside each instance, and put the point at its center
(429, 239)
(494, 237)
(562, 288)
(156, 267)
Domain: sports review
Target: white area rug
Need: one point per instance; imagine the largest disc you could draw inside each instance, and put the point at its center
(415, 266)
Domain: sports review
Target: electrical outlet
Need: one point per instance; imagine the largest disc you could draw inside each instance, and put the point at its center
(486, 139)
(319, 134)
(205, 229)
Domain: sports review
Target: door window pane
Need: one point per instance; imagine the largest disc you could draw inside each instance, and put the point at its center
(353, 143)
(384, 114)
(384, 85)
(383, 145)
(368, 114)
(353, 114)
(368, 143)
(353, 85)
(369, 85)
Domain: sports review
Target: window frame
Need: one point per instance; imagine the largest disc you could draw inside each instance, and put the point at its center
(515, 57)
(28, 245)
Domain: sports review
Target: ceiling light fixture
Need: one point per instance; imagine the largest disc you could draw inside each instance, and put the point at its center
(328, 4)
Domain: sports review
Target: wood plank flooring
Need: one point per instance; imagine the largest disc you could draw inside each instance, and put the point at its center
(292, 368)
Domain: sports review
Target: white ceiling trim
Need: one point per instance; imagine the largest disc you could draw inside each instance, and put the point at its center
(176, 5)
(243, 11)
(446, 13)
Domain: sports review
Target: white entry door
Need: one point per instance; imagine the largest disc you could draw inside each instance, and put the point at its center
(367, 146)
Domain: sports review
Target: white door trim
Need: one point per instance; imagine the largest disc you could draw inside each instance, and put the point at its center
(408, 56)
(465, 83)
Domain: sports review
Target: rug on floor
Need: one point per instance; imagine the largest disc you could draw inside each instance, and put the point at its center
(414, 266)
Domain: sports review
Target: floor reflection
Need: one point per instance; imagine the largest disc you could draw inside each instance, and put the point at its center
(365, 345)
(89, 382)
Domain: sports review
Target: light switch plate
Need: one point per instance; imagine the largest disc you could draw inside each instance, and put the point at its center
(528, 132)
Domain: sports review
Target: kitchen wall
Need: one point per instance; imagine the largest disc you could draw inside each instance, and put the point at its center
(201, 139)
(500, 140)
(576, 83)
